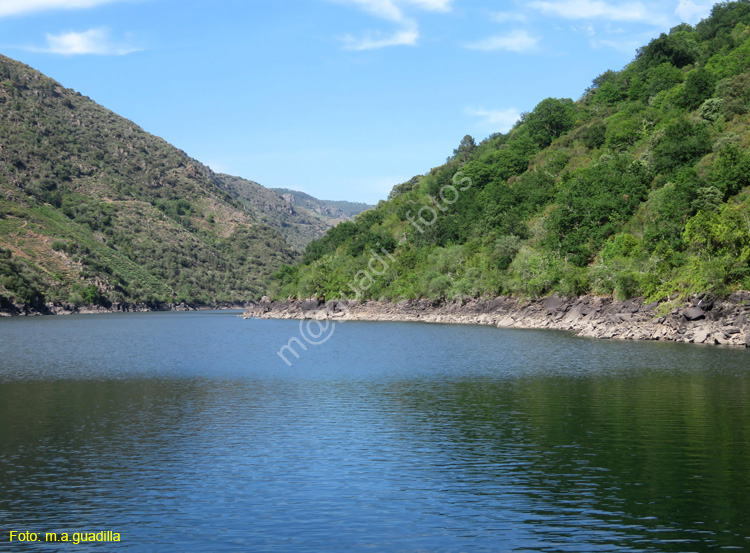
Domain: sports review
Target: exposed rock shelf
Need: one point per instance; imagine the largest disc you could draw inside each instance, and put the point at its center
(72, 309)
(702, 320)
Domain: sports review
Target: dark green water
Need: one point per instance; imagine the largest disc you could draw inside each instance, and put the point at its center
(186, 432)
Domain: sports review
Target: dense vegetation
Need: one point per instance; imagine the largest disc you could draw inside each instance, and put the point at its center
(93, 210)
(639, 188)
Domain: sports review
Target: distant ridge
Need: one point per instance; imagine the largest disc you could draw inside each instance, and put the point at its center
(329, 209)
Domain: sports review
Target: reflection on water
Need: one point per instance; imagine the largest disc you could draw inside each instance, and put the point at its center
(184, 432)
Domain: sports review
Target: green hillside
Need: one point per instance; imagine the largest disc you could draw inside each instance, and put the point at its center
(94, 210)
(639, 188)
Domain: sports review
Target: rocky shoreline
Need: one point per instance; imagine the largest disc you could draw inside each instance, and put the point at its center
(701, 320)
(73, 309)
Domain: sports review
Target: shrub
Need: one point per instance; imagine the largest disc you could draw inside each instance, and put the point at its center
(699, 86)
(682, 144)
(712, 109)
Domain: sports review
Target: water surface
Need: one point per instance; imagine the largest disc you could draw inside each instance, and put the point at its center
(186, 432)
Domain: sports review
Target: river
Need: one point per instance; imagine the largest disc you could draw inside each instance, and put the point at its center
(186, 432)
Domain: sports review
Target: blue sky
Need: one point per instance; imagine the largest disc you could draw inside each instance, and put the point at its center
(339, 98)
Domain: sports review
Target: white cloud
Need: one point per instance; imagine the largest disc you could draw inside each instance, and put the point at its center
(385, 9)
(19, 7)
(431, 5)
(588, 30)
(392, 10)
(504, 17)
(595, 9)
(516, 41)
(691, 12)
(94, 41)
(407, 36)
(500, 120)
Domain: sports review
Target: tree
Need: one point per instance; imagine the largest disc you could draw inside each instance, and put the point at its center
(731, 170)
(465, 149)
(550, 119)
(608, 88)
(683, 144)
(678, 48)
(699, 86)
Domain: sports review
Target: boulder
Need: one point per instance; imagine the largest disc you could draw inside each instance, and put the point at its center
(704, 301)
(722, 339)
(701, 335)
(694, 314)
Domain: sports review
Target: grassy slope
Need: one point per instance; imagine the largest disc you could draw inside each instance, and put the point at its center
(641, 187)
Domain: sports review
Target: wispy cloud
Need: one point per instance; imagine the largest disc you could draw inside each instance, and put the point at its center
(500, 120)
(595, 9)
(692, 12)
(587, 29)
(395, 11)
(20, 7)
(94, 41)
(519, 41)
(407, 36)
(385, 9)
(430, 5)
(504, 17)
(651, 12)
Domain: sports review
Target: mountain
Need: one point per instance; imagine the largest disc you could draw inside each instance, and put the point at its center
(299, 217)
(94, 210)
(639, 188)
(331, 211)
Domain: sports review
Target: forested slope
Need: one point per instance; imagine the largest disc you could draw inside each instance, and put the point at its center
(638, 188)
